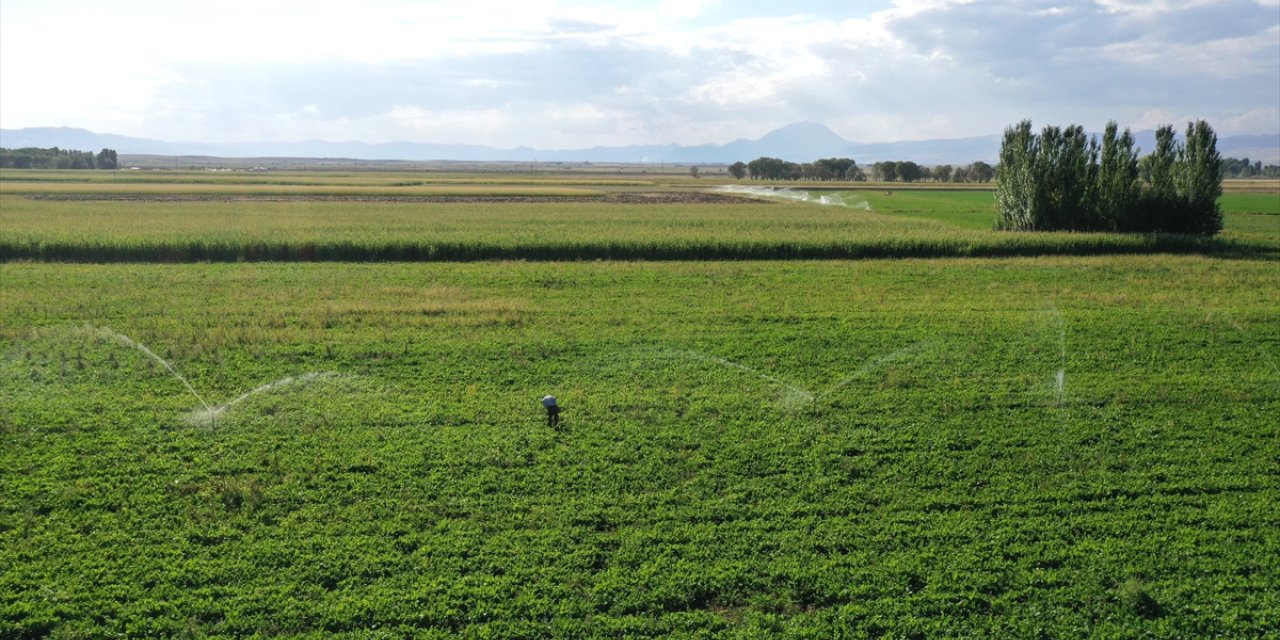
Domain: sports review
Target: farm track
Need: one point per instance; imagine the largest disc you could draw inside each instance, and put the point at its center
(645, 197)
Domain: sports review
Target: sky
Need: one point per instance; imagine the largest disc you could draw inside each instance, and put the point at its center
(561, 74)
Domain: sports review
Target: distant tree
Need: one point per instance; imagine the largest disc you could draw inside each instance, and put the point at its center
(55, 158)
(887, 171)
(909, 171)
(738, 170)
(981, 172)
(766, 168)
(960, 174)
(814, 171)
(763, 167)
(838, 168)
(693, 171)
(791, 170)
(1243, 168)
(942, 173)
(107, 159)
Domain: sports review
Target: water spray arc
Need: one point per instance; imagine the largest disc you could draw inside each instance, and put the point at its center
(830, 200)
(792, 390)
(797, 395)
(872, 365)
(1060, 376)
(210, 413)
(134, 344)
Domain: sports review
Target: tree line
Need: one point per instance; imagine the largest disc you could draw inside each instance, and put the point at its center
(907, 171)
(1242, 168)
(1062, 179)
(55, 158)
(846, 169)
(766, 168)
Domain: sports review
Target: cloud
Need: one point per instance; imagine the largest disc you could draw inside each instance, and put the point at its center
(1127, 57)
(550, 72)
(1042, 37)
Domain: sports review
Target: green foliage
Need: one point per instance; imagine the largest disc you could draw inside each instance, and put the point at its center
(1017, 192)
(979, 171)
(1055, 181)
(1243, 168)
(886, 171)
(1048, 181)
(1198, 182)
(55, 158)
(909, 171)
(1160, 197)
(1118, 187)
(838, 169)
(766, 168)
(1134, 596)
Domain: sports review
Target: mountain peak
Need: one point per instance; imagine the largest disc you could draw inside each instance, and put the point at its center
(800, 141)
(803, 130)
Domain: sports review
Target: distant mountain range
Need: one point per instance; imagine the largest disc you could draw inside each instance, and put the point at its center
(799, 142)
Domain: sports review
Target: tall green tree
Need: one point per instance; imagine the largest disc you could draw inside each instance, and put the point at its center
(1064, 179)
(1063, 172)
(1118, 189)
(1016, 192)
(1198, 179)
(1159, 201)
(1047, 181)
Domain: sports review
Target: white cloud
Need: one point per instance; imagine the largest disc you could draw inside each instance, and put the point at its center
(555, 73)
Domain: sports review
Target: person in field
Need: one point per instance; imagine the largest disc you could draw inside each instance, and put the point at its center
(553, 411)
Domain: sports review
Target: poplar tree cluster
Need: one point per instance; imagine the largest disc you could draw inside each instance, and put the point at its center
(55, 158)
(1063, 179)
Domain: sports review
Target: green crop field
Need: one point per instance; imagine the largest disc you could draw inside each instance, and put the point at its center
(166, 222)
(1048, 446)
